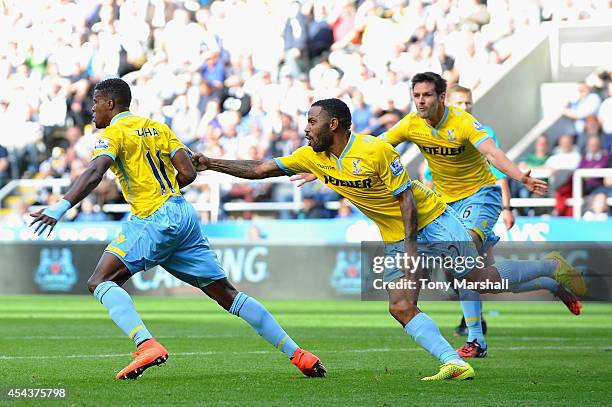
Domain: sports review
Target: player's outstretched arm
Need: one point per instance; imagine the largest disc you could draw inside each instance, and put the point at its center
(249, 169)
(82, 186)
(507, 215)
(409, 217)
(500, 161)
(186, 171)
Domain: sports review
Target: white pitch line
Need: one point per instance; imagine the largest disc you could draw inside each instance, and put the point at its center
(262, 352)
(212, 336)
(546, 338)
(71, 337)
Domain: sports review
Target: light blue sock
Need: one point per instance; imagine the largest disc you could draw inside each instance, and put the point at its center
(426, 333)
(263, 322)
(522, 271)
(122, 311)
(540, 283)
(470, 304)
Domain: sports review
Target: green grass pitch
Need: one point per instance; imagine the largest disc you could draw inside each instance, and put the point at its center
(540, 354)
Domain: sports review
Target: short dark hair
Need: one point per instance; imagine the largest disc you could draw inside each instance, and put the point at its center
(431, 77)
(338, 109)
(116, 89)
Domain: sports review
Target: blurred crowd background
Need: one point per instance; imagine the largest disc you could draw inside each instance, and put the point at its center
(234, 79)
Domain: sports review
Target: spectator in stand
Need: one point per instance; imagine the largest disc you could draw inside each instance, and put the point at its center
(320, 36)
(598, 209)
(213, 70)
(540, 155)
(361, 113)
(562, 163)
(565, 157)
(207, 94)
(594, 157)
(532, 161)
(295, 39)
(592, 127)
(342, 22)
(605, 118)
(586, 104)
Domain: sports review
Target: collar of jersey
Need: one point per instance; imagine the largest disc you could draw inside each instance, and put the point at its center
(348, 146)
(443, 118)
(441, 121)
(120, 116)
(346, 150)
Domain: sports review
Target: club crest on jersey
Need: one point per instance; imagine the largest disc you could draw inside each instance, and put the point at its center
(396, 167)
(478, 126)
(102, 144)
(356, 168)
(451, 135)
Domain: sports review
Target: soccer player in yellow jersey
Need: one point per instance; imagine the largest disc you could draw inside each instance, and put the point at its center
(457, 148)
(152, 165)
(461, 97)
(368, 172)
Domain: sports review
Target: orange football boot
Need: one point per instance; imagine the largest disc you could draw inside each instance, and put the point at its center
(472, 350)
(149, 353)
(308, 363)
(569, 299)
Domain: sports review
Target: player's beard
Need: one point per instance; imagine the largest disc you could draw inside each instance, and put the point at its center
(323, 143)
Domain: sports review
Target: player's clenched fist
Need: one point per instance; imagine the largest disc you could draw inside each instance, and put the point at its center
(200, 162)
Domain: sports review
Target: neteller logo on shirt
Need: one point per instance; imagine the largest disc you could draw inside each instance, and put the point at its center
(447, 151)
(361, 183)
(102, 144)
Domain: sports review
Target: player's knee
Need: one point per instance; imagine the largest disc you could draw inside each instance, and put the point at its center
(225, 303)
(403, 311)
(92, 283)
(222, 292)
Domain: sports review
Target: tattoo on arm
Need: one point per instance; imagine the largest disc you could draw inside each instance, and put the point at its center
(249, 169)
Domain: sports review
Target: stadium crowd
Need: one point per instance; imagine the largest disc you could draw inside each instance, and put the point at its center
(234, 78)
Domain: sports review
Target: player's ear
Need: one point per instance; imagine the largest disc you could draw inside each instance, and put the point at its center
(110, 103)
(333, 123)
